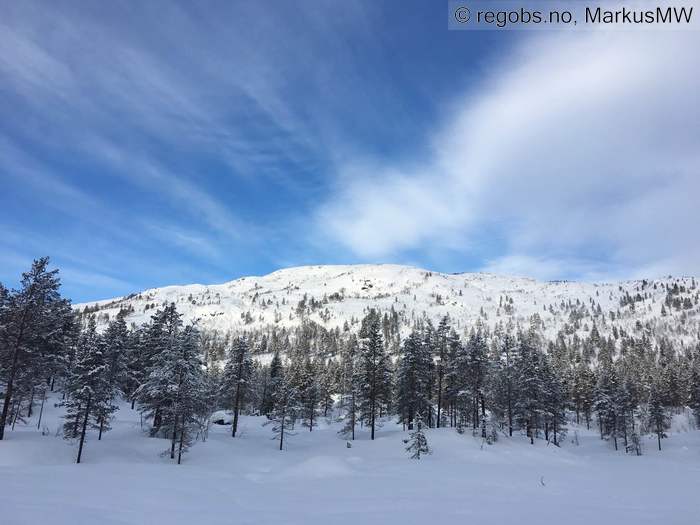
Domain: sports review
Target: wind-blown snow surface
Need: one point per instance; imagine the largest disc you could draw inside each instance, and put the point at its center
(317, 480)
(344, 293)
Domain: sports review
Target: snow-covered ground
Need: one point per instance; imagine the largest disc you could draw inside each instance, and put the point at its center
(317, 479)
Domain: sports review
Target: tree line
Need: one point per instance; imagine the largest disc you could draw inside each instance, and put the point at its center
(490, 382)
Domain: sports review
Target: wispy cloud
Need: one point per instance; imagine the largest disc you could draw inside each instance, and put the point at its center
(579, 146)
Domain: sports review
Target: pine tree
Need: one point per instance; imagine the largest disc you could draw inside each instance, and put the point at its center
(137, 364)
(275, 376)
(115, 349)
(695, 390)
(553, 401)
(477, 371)
(606, 400)
(528, 404)
(502, 381)
(189, 395)
(441, 365)
(29, 317)
(418, 443)
(583, 392)
(285, 411)
(349, 387)
(235, 380)
(86, 388)
(374, 371)
(327, 386)
(413, 394)
(453, 376)
(659, 419)
(175, 390)
(160, 345)
(308, 393)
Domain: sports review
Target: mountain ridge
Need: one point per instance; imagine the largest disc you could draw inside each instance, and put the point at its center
(335, 296)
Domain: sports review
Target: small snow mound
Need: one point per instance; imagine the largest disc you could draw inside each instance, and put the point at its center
(221, 417)
(319, 467)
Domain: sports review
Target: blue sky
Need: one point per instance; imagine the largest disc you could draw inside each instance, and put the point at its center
(166, 143)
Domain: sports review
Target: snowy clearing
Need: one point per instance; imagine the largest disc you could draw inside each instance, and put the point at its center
(317, 479)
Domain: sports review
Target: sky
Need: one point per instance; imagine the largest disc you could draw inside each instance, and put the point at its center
(144, 144)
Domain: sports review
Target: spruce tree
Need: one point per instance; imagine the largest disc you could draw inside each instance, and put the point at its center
(308, 393)
(659, 419)
(235, 380)
(418, 443)
(285, 411)
(374, 371)
(275, 376)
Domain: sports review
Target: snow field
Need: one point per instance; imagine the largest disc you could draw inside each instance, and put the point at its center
(318, 480)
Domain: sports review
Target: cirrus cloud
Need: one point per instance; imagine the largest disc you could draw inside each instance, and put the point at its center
(580, 150)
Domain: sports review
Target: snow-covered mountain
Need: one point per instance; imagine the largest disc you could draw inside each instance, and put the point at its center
(335, 295)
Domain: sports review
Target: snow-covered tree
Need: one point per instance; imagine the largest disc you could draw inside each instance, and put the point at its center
(285, 411)
(235, 380)
(418, 442)
(175, 391)
(349, 381)
(374, 371)
(659, 420)
(413, 381)
(33, 320)
(160, 349)
(87, 388)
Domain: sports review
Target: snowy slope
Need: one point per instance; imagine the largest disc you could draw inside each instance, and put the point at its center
(317, 480)
(344, 293)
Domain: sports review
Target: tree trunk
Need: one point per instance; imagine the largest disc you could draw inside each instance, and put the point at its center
(353, 416)
(82, 433)
(31, 402)
(8, 393)
(173, 440)
(13, 370)
(439, 399)
(102, 422)
(15, 412)
(182, 439)
(282, 423)
(157, 419)
(41, 410)
(510, 411)
(236, 409)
